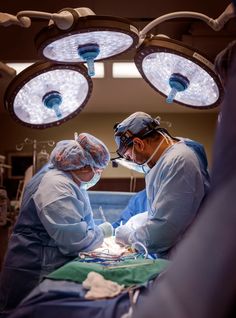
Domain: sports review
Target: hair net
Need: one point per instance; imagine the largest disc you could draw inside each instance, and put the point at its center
(135, 124)
(223, 60)
(96, 149)
(87, 150)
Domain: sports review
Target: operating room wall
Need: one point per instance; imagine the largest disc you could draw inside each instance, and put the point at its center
(198, 126)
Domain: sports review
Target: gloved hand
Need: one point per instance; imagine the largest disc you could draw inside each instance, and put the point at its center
(106, 228)
(122, 234)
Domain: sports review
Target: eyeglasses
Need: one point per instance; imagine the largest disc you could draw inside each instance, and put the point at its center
(123, 149)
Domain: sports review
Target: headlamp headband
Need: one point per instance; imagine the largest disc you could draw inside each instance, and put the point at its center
(126, 137)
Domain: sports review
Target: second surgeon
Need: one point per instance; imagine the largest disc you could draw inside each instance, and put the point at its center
(176, 180)
(55, 220)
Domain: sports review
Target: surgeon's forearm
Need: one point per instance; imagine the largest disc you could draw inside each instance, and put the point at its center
(156, 236)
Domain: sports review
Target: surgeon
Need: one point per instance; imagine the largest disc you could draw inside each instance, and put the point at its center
(55, 221)
(176, 178)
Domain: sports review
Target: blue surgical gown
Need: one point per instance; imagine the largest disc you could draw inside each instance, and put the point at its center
(54, 224)
(137, 204)
(175, 188)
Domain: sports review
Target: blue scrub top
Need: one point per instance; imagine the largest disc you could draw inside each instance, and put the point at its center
(54, 224)
(175, 188)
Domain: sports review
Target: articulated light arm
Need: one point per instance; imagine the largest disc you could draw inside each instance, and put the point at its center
(215, 24)
(9, 19)
(6, 71)
(64, 19)
(228, 14)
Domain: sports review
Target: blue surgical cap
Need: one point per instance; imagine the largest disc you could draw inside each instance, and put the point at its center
(87, 150)
(135, 124)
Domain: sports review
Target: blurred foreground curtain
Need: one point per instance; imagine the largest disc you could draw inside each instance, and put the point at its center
(201, 280)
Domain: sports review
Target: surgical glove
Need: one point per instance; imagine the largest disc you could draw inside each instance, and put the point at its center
(122, 235)
(137, 220)
(124, 232)
(106, 228)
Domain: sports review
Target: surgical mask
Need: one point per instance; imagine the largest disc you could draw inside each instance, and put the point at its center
(85, 185)
(129, 164)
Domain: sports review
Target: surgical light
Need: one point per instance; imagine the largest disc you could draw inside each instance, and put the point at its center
(179, 73)
(98, 66)
(48, 94)
(176, 71)
(78, 35)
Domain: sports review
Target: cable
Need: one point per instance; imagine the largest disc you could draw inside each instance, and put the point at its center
(142, 245)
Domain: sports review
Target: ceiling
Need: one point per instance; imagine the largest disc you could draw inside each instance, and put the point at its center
(121, 95)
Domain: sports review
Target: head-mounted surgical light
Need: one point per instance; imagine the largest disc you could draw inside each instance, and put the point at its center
(47, 94)
(125, 138)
